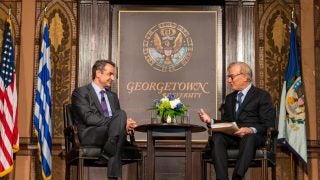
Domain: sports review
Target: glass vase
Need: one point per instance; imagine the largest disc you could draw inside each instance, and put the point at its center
(168, 119)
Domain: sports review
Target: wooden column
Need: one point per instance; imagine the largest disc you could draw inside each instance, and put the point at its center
(240, 31)
(94, 36)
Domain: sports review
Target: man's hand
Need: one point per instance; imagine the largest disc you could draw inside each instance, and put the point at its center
(131, 124)
(243, 131)
(204, 117)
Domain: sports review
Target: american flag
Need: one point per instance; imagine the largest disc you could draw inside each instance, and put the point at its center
(42, 109)
(9, 135)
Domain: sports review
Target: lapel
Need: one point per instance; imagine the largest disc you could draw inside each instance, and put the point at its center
(247, 99)
(95, 98)
(111, 99)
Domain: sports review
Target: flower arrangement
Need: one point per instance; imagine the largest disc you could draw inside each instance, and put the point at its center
(168, 108)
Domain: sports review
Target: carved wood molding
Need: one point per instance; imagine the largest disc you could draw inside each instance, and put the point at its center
(317, 60)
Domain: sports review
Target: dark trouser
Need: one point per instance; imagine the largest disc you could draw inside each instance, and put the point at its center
(247, 148)
(98, 136)
(117, 128)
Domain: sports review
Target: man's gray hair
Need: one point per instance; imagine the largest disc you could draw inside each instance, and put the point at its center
(244, 69)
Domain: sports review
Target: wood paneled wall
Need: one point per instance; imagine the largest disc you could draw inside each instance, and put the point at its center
(239, 32)
(94, 36)
(87, 35)
(247, 31)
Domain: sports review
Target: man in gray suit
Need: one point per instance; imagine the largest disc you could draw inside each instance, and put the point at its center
(252, 109)
(99, 118)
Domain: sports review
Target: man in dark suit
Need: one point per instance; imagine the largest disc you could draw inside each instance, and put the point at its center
(252, 109)
(99, 118)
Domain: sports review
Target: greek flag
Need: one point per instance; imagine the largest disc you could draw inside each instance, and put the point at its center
(292, 122)
(42, 109)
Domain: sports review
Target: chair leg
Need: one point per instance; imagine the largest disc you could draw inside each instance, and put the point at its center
(67, 177)
(264, 172)
(273, 172)
(80, 169)
(204, 170)
(138, 170)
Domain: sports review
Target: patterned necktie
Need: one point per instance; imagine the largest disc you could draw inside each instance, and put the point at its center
(104, 104)
(239, 101)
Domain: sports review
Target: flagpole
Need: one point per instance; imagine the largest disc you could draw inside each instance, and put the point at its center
(9, 16)
(291, 154)
(9, 12)
(45, 11)
(291, 165)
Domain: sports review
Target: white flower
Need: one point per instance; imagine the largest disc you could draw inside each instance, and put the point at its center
(168, 119)
(174, 103)
(164, 99)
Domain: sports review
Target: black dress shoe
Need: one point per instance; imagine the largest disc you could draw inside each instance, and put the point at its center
(110, 148)
(103, 159)
(112, 178)
(236, 177)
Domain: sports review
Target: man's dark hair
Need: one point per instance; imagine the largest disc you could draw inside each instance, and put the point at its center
(99, 65)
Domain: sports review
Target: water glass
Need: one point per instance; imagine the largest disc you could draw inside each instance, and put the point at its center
(154, 118)
(185, 119)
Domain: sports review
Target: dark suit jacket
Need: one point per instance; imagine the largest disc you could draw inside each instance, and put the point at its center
(87, 110)
(255, 111)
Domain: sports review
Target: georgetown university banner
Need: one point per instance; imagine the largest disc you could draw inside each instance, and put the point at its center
(164, 52)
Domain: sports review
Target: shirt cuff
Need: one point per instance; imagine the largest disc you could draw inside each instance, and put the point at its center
(211, 123)
(254, 129)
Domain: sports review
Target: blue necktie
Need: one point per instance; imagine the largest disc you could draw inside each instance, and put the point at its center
(104, 104)
(239, 101)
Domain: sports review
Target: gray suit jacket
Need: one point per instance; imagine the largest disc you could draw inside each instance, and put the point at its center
(88, 113)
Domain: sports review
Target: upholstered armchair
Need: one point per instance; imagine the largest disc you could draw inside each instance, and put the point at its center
(81, 156)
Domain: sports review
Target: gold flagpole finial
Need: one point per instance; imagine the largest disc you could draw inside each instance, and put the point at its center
(9, 12)
(293, 17)
(292, 14)
(45, 10)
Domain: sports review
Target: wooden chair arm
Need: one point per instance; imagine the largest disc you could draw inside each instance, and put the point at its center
(272, 134)
(71, 132)
(132, 139)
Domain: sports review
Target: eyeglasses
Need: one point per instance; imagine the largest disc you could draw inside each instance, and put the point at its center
(232, 76)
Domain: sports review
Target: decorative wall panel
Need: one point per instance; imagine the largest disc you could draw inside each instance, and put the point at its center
(317, 71)
(62, 20)
(273, 41)
(317, 59)
(63, 26)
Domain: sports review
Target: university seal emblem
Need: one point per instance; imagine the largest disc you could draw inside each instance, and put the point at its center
(167, 47)
(295, 103)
